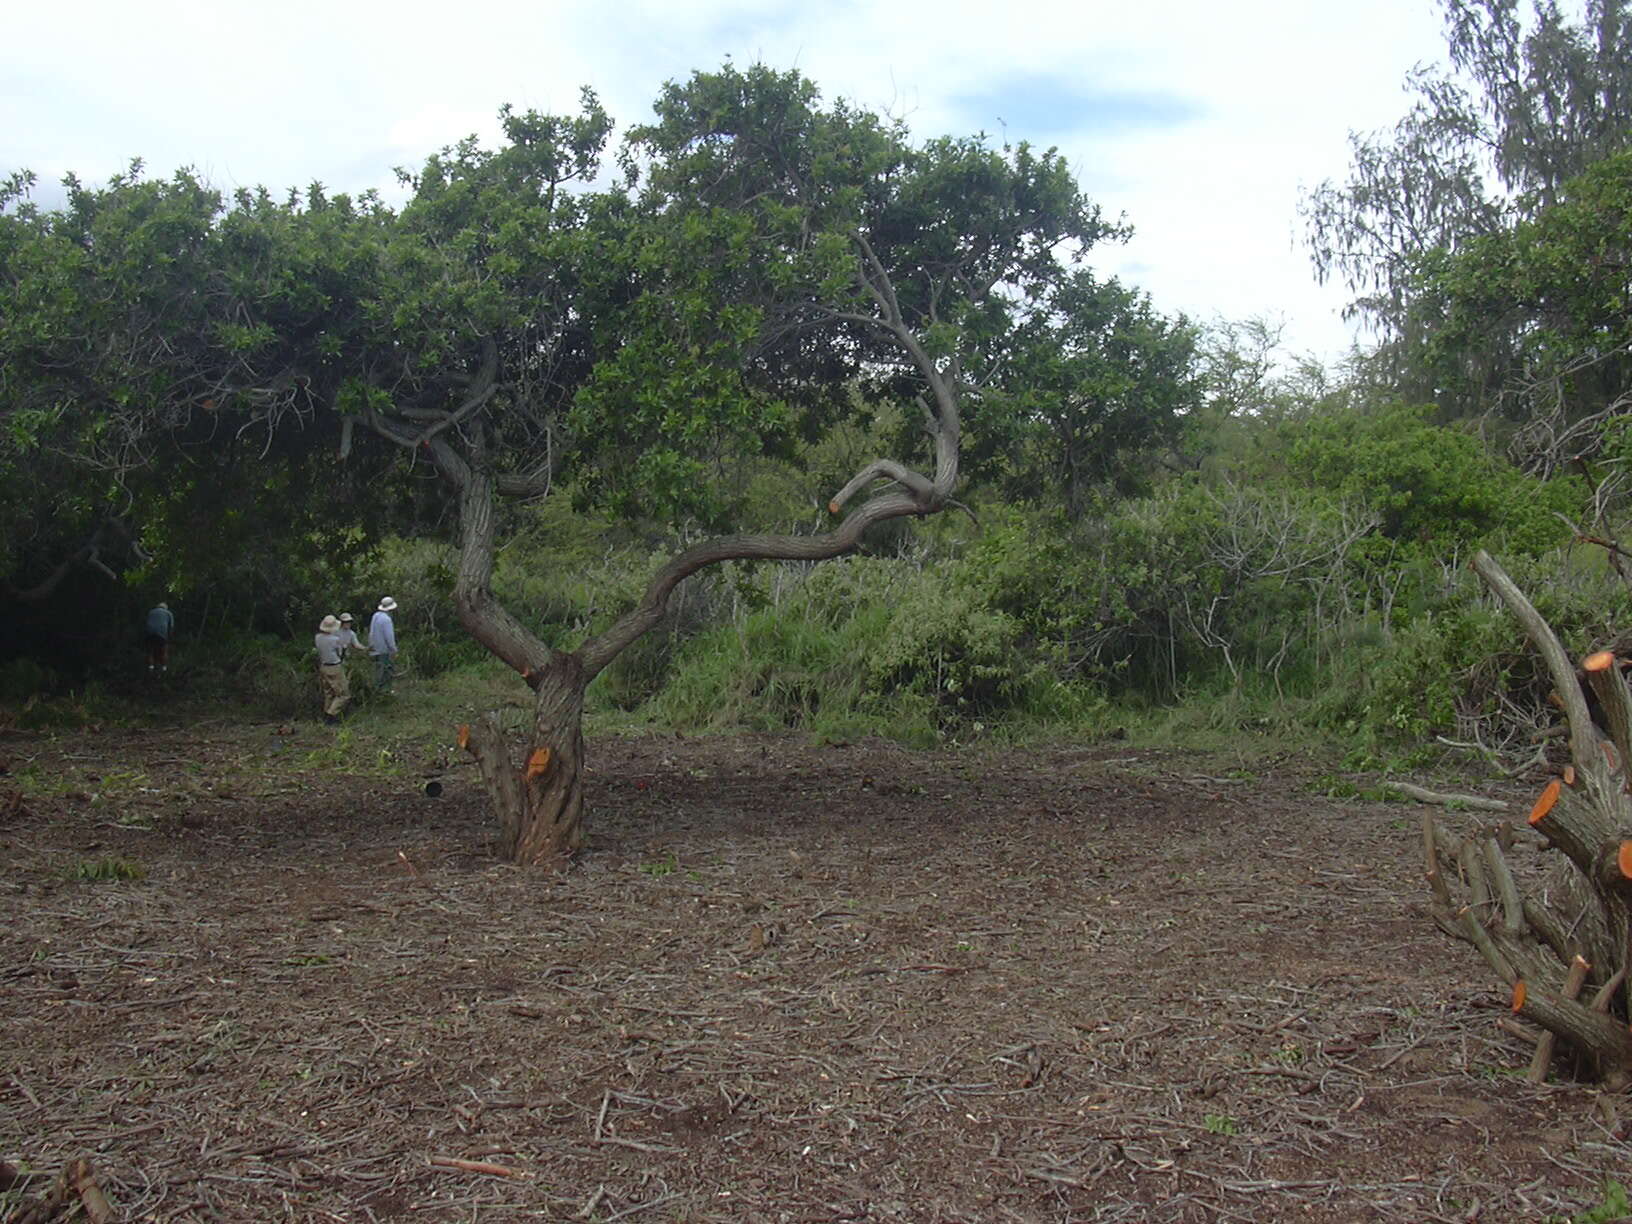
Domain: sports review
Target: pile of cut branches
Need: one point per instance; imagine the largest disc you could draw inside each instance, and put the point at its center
(1564, 943)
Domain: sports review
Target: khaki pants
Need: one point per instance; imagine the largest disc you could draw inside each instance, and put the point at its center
(331, 679)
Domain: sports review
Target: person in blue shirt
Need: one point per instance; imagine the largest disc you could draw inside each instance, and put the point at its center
(160, 626)
(382, 644)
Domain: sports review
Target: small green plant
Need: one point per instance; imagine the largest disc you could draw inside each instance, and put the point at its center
(332, 756)
(1220, 1124)
(1614, 1207)
(112, 867)
(308, 962)
(660, 867)
(1332, 786)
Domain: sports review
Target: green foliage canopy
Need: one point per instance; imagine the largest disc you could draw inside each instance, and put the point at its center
(1540, 313)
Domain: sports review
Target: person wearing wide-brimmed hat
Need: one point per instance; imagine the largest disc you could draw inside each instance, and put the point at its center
(349, 641)
(382, 644)
(331, 675)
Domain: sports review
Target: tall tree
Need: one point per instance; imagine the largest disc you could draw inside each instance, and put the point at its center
(764, 259)
(163, 356)
(775, 252)
(1539, 315)
(1096, 379)
(1527, 102)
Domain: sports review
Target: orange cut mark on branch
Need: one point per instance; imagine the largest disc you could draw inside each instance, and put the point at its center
(832, 507)
(1520, 993)
(538, 763)
(1545, 803)
(1623, 860)
(1569, 775)
(1602, 661)
(1611, 756)
(464, 736)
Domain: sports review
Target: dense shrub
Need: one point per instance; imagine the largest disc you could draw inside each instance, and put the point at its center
(1436, 490)
(1323, 586)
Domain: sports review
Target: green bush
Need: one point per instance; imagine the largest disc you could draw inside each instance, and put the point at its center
(1437, 489)
(1461, 661)
(941, 643)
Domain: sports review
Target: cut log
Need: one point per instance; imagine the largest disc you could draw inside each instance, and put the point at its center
(1544, 804)
(1615, 869)
(1543, 1057)
(1602, 1039)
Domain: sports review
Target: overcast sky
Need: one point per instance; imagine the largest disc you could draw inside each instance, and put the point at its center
(1198, 120)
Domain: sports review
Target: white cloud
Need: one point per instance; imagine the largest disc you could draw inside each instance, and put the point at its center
(1243, 102)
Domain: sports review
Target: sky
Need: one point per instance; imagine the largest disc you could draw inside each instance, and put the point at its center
(1197, 121)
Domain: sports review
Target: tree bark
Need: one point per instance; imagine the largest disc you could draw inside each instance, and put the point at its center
(551, 828)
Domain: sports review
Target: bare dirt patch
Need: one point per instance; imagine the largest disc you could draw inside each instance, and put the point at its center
(787, 982)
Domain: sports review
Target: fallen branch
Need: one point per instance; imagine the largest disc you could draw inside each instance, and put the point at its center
(477, 1166)
(1478, 802)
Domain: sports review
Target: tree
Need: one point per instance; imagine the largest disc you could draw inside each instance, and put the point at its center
(775, 254)
(163, 355)
(1540, 315)
(1525, 106)
(1097, 377)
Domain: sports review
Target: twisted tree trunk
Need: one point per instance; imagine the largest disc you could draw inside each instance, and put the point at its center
(1571, 934)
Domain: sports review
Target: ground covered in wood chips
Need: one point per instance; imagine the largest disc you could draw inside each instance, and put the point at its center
(787, 981)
